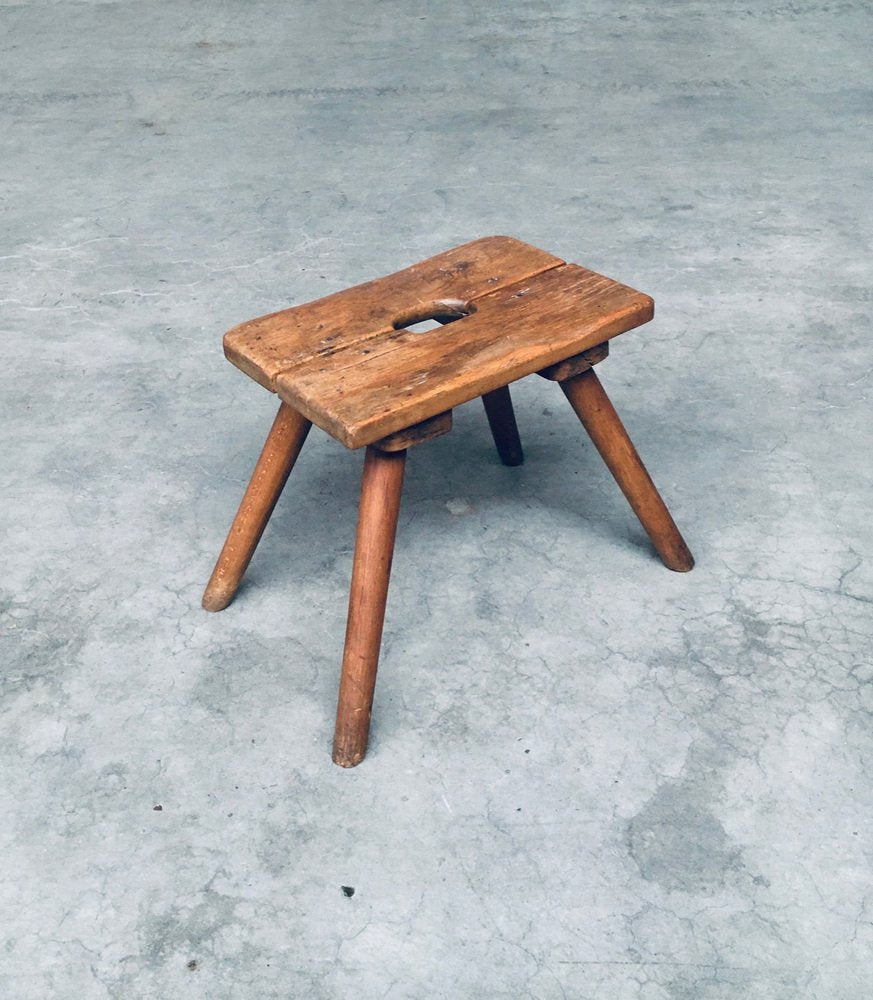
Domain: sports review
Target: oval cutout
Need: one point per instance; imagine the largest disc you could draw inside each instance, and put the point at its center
(422, 318)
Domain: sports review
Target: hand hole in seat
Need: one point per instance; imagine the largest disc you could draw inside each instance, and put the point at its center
(422, 318)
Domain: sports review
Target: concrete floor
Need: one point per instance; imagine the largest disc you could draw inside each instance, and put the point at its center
(588, 777)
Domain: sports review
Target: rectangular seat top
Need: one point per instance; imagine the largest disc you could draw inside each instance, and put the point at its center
(348, 363)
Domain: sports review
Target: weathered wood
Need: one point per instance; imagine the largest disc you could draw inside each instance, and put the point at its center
(576, 365)
(504, 430)
(381, 486)
(361, 392)
(269, 345)
(276, 461)
(352, 364)
(598, 416)
(427, 430)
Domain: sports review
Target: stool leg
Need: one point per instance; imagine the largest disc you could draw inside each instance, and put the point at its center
(599, 418)
(276, 461)
(377, 526)
(501, 417)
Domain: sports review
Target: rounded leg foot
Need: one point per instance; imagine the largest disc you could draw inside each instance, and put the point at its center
(501, 418)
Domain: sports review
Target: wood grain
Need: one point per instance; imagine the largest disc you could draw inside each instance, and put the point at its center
(381, 486)
(598, 416)
(276, 461)
(361, 392)
(269, 345)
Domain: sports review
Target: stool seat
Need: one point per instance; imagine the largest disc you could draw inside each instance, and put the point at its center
(349, 363)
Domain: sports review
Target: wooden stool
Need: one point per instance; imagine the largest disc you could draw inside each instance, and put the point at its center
(351, 364)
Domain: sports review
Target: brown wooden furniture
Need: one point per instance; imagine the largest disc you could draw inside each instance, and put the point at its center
(351, 364)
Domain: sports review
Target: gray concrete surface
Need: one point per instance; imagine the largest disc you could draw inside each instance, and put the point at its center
(588, 777)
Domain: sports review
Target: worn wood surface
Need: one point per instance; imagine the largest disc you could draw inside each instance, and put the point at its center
(272, 469)
(576, 365)
(381, 486)
(504, 430)
(269, 345)
(349, 365)
(427, 430)
(606, 430)
(362, 392)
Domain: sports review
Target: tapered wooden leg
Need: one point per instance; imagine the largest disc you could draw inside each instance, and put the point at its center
(501, 417)
(277, 459)
(374, 547)
(599, 418)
